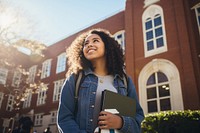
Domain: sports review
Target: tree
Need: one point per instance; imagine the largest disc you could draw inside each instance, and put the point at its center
(13, 22)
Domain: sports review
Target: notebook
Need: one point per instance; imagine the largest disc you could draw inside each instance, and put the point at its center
(126, 106)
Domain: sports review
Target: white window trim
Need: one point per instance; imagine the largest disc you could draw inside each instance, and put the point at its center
(53, 118)
(27, 101)
(172, 73)
(16, 79)
(1, 98)
(3, 79)
(46, 64)
(60, 64)
(10, 100)
(42, 100)
(149, 13)
(57, 85)
(39, 121)
(149, 2)
(121, 32)
(197, 14)
(158, 98)
(32, 74)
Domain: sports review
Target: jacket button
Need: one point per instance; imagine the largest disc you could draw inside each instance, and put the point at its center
(92, 106)
(91, 120)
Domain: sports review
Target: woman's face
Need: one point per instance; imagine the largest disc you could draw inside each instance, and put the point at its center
(94, 48)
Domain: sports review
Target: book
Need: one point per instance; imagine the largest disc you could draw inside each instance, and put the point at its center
(113, 111)
(126, 106)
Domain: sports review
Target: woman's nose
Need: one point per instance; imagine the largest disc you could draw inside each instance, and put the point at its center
(90, 45)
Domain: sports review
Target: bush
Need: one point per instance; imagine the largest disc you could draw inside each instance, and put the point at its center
(172, 122)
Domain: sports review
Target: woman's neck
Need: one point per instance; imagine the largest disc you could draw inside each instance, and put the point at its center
(100, 68)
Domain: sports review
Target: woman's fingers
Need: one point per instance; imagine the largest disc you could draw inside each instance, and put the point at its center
(103, 125)
(108, 120)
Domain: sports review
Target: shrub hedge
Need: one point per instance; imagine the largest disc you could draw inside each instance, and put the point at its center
(172, 122)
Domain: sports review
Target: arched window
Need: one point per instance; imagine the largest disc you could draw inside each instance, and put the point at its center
(154, 31)
(158, 93)
(159, 87)
(120, 37)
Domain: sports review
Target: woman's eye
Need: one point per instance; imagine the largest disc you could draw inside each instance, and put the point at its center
(95, 40)
(85, 44)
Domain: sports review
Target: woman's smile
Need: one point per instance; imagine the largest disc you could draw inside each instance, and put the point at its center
(91, 50)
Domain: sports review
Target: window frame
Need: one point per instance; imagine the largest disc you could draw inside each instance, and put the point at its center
(196, 7)
(32, 74)
(46, 68)
(61, 63)
(1, 98)
(152, 12)
(10, 102)
(27, 100)
(53, 117)
(57, 89)
(121, 40)
(16, 79)
(156, 85)
(38, 119)
(42, 95)
(172, 72)
(3, 75)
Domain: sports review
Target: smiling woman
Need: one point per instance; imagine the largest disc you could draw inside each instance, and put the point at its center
(99, 57)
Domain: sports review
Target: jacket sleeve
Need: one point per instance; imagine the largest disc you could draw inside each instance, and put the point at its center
(133, 125)
(66, 117)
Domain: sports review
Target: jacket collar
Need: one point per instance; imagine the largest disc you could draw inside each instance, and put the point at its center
(89, 71)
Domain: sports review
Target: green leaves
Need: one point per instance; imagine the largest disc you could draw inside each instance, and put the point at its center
(172, 122)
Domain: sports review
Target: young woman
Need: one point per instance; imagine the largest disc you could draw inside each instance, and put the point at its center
(101, 59)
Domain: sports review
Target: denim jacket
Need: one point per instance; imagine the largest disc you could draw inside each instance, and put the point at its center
(82, 120)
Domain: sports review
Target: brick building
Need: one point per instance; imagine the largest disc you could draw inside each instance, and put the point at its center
(162, 48)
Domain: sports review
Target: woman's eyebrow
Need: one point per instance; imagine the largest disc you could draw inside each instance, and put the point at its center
(96, 38)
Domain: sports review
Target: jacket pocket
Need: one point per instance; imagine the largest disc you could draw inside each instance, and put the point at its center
(85, 84)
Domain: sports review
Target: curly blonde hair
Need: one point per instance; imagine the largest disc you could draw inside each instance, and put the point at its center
(114, 53)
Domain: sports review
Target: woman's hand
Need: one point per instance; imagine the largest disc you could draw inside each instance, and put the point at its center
(108, 120)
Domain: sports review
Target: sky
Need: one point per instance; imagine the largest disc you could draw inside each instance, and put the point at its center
(54, 20)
